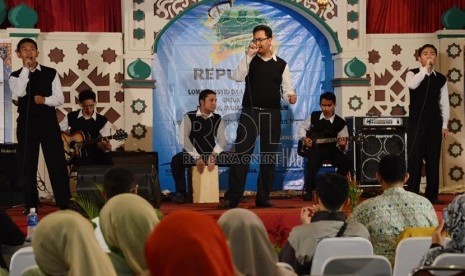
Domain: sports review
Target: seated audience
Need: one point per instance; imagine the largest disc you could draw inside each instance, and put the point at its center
(250, 246)
(188, 243)
(64, 244)
(117, 180)
(126, 221)
(396, 209)
(452, 224)
(323, 220)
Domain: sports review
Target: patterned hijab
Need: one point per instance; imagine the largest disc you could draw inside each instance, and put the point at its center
(455, 225)
(126, 221)
(250, 246)
(188, 243)
(64, 244)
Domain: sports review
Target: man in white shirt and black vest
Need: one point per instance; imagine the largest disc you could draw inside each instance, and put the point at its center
(428, 118)
(267, 79)
(202, 138)
(319, 126)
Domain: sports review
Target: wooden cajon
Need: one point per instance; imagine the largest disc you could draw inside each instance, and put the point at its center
(205, 186)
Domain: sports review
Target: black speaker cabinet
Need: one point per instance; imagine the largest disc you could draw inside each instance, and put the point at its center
(146, 178)
(10, 188)
(382, 136)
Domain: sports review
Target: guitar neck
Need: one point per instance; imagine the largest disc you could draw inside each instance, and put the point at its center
(97, 140)
(331, 140)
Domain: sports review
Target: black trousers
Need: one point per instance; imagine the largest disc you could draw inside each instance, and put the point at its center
(315, 159)
(424, 143)
(32, 134)
(182, 161)
(254, 122)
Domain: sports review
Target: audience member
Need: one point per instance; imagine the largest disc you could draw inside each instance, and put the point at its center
(452, 224)
(126, 221)
(323, 220)
(188, 243)
(10, 234)
(250, 246)
(64, 244)
(396, 209)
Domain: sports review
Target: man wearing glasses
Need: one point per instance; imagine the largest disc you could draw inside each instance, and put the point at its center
(92, 125)
(267, 80)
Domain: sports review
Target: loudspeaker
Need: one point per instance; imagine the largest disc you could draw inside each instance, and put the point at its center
(382, 136)
(10, 188)
(146, 178)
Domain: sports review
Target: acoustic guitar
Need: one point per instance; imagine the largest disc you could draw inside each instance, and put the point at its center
(74, 143)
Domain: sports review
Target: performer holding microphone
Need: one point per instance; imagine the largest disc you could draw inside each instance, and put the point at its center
(38, 90)
(428, 118)
(267, 79)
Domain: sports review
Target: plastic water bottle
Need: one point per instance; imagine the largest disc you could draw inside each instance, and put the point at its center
(32, 221)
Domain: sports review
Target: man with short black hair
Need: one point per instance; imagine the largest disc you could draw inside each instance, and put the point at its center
(321, 125)
(118, 180)
(202, 138)
(93, 126)
(388, 214)
(323, 220)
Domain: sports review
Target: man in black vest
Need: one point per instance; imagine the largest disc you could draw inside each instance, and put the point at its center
(38, 90)
(93, 126)
(267, 80)
(428, 118)
(324, 124)
(202, 137)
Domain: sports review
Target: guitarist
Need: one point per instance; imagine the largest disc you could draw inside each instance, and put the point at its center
(92, 125)
(324, 124)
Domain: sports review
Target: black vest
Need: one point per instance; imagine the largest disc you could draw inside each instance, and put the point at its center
(91, 128)
(203, 131)
(40, 84)
(428, 93)
(263, 83)
(324, 128)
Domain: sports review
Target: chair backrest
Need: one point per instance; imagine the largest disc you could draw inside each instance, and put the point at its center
(409, 253)
(343, 246)
(21, 260)
(366, 265)
(448, 259)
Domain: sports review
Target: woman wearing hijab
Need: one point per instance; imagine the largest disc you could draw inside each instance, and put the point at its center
(126, 221)
(64, 244)
(188, 243)
(250, 246)
(454, 225)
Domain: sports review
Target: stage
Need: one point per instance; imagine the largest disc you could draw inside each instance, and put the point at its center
(278, 220)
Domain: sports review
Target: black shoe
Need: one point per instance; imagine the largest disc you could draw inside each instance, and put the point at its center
(179, 198)
(226, 204)
(264, 204)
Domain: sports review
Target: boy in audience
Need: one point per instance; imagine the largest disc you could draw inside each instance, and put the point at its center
(323, 220)
(396, 209)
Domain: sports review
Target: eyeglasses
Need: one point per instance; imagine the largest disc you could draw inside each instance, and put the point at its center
(255, 40)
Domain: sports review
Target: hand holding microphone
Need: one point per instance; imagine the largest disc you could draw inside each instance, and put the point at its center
(252, 49)
(429, 65)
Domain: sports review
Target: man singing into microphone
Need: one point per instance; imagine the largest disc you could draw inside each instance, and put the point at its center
(267, 79)
(38, 90)
(428, 117)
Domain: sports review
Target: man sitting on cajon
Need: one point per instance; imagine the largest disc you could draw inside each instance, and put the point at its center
(202, 137)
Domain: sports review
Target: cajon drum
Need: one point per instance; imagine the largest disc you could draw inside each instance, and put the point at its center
(205, 186)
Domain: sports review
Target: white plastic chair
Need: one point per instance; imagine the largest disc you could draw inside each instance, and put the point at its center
(409, 253)
(21, 260)
(449, 259)
(335, 247)
(368, 265)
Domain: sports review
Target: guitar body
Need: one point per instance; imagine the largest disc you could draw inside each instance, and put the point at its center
(72, 144)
